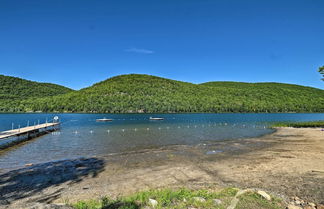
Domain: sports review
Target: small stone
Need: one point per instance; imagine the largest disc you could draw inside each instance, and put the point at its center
(296, 198)
(199, 199)
(264, 195)
(297, 202)
(217, 201)
(320, 206)
(29, 164)
(293, 207)
(311, 204)
(153, 202)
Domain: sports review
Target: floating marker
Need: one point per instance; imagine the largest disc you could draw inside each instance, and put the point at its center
(148, 129)
(135, 129)
(91, 131)
(108, 131)
(123, 130)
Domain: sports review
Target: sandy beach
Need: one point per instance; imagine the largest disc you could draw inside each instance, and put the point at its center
(287, 163)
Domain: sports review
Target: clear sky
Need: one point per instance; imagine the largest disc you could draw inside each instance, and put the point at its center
(77, 43)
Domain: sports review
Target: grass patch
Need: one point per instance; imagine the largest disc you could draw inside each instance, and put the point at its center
(252, 200)
(178, 199)
(311, 124)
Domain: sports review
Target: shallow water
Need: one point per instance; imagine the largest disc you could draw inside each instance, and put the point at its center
(81, 136)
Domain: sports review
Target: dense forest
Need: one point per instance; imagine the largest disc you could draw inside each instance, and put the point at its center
(14, 90)
(147, 94)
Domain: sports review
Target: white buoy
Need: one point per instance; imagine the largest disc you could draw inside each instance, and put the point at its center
(91, 131)
(148, 129)
(108, 131)
(135, 129)
(123, 130)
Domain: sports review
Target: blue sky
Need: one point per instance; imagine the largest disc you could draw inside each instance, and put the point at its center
(78, 43)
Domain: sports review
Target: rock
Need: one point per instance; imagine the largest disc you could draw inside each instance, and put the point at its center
(199, 199)
(311, 204)
(153, 202)
(308, 207)
(264, 195)
(293, 207)
(296, 198)
(298, 202)
(4, 202)
(217, 201)
(320, 206)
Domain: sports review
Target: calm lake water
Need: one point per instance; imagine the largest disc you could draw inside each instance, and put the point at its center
(81, 136)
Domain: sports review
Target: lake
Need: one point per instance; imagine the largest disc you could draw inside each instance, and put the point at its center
(81, 136)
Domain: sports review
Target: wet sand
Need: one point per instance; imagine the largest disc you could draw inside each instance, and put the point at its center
(289, 162)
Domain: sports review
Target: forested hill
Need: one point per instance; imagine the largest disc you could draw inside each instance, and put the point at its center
(13, 91)
(17, 88)
(143, 93)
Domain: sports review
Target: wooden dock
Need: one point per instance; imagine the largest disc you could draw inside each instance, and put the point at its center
(25, 130)
(16, 136)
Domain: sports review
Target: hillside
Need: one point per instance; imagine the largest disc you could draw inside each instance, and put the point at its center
(143, 93)
(13, 90)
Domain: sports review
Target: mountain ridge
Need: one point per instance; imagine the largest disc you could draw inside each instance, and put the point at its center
(132, 93)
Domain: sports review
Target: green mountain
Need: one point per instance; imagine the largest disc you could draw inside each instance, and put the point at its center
(13, 90)
(143, 93)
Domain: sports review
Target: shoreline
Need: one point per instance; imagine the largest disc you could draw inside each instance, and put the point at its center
(287, 162)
